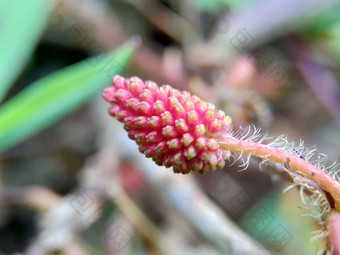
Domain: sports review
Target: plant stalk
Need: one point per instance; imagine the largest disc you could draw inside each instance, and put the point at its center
(333, 226)
(297, 164)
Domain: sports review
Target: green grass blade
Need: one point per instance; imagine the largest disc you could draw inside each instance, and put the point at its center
(21, 25)
(220, 5)
(49, 99)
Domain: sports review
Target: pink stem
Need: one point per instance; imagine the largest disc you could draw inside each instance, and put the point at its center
(296, 163)
(333, 223)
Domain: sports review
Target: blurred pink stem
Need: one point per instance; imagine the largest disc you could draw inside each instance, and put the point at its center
(333, 223)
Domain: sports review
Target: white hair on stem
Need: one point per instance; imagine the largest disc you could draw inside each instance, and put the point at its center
(312, 195)
(311, 155)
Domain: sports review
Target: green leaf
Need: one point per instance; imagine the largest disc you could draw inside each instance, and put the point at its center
(210, 6)
(332, 42)
(324, 31)
(49, 99)
(21, 25)
(319, 26)
(220, 5)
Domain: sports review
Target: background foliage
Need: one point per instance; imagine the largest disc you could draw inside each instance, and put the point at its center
(71, 181)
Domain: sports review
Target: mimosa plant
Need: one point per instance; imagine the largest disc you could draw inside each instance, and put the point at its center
(181, 131)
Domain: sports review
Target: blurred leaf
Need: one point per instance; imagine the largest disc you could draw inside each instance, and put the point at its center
(319, 27)
(218, 5)
(277, 222)
(327, 38)
(239, 4)
(213, 5)
(325, 31)
(332, 42)
(21, 25)
(49, 99)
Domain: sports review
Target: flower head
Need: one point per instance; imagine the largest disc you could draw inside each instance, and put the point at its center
(172, 127)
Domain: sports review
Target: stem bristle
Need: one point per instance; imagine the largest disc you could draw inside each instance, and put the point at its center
(311, 155)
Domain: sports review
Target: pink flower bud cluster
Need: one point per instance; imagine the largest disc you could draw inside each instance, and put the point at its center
(172, 127)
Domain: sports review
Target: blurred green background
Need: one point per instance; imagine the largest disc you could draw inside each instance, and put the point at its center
(70, 180)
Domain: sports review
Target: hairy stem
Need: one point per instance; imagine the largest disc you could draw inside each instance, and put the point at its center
(297, 164)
